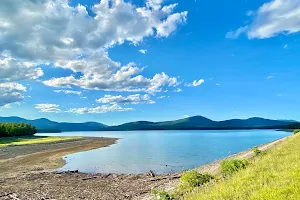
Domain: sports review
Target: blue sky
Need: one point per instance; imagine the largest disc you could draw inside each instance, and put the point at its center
(150, 60)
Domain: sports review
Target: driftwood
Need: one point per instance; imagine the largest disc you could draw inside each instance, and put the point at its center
(88, 178)
(68, 172)
(164, 178)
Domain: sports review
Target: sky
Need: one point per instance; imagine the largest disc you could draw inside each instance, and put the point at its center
(119, 61)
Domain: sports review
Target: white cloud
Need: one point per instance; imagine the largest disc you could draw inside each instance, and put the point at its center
(11, 93)
(285, 46)
(195, 83)
(58, 30)
(100, 109)
(237, 33)
(186, 116)
(270, 77)
(7, 106)
(143, 51)
(272, 18)
(57, 33)
(161, 97)
(48, 107)
(131, 99)
(178, 90)
(68, 92)
(13, 70)
(218, 84)
(101, 73)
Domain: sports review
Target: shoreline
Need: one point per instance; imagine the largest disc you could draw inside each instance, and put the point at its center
(71, 185)
(44, 157)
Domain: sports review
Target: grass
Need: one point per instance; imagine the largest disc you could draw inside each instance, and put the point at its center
(275, 175)
(22, 140)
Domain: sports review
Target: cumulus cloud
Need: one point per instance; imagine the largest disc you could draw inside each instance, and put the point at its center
(112, 77)
(143, 51)
(272, 18)
(72, 39)
(186, 116)
(161, 97)
(13, 70)
(68, 92)
(195, 83)
(11, 93)
(100, 109)
(48, 107)
(131, 99)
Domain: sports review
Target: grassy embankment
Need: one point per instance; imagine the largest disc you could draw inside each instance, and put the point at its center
(25, 140)
(274, 175)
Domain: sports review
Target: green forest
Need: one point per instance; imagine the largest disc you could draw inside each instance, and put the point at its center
(16, 129)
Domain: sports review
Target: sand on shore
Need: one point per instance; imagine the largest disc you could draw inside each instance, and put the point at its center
(28, 172)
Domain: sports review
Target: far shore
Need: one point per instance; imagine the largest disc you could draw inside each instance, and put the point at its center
(28, 168)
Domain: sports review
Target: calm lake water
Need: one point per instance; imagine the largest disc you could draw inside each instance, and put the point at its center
(163, 151)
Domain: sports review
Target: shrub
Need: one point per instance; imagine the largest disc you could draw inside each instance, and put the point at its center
(231, 166)
(194, 179)
(161, 195)
(188, 181)
(296, 131)
(256, 151)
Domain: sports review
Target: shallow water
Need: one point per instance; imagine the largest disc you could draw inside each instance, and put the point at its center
(163, 151)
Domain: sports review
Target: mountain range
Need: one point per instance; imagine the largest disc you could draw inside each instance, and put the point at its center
(46, 125)
(190, 123)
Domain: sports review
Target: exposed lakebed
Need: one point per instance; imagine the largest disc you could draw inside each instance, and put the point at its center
(163, 151)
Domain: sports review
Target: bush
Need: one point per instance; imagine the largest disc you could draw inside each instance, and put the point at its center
(231, 166)
(296, 131)
(161, 195)
(194, 179)
(256, 151)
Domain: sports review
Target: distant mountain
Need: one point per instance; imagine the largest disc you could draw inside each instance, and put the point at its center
(46, 124)
(190, 123)
(200, 122)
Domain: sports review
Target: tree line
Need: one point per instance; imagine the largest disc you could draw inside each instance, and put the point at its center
(16, 129)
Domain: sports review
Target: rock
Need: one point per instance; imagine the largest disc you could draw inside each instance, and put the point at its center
(150, 173)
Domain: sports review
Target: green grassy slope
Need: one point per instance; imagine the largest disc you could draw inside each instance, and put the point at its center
(274, 176)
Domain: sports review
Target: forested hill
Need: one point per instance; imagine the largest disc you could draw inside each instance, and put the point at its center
(190, 123)
(203, 123)
(46, 124)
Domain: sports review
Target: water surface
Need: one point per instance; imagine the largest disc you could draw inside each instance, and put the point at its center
(163, 151)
